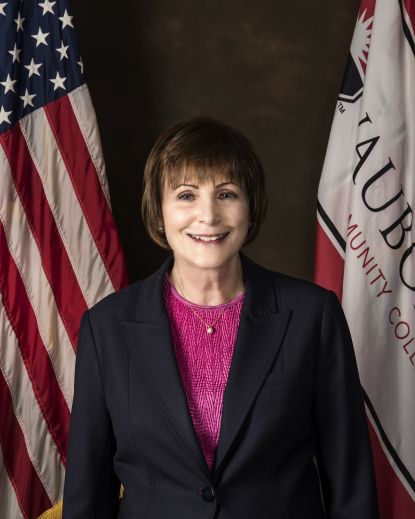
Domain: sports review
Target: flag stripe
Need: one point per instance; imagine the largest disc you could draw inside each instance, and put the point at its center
(9, 507)
(328, 264)
(92, 275)
(37, 362)
(407, 12)
(409, 6)
(58, 269)
(25, 253)
(394, 500)
(40, 445)
(388, 445)
(29, 490)
(325, 217)
(87, 187)
(85, 115)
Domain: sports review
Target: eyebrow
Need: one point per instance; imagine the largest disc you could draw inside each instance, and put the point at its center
(197, 187)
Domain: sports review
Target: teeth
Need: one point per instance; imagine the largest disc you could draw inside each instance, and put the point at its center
(207, 238)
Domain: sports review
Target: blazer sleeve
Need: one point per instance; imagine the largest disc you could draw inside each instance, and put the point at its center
(91, 486)
(344, 454)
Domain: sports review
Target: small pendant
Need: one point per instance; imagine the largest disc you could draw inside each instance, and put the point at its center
(210, 329)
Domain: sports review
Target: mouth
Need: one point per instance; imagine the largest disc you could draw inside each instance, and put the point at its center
(209, 238)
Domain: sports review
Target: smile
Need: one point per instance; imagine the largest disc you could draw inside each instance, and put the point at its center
(213, 238)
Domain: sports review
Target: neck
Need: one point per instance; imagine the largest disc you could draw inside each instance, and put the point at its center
(208, 287)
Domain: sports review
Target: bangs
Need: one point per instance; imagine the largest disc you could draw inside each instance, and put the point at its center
(202, 171)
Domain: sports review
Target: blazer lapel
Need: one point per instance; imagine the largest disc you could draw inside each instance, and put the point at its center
(149, 341)
(260, 334)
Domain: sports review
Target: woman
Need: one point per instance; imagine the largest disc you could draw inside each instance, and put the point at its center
(215, 388)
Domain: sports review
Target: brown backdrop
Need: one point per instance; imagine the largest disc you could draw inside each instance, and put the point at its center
(270, 68)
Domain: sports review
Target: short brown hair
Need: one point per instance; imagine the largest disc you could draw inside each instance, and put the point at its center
(210, 150)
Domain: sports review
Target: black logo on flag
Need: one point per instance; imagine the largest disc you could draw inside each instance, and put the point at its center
(353, 81)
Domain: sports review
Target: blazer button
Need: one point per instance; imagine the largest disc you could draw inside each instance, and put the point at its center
(208, 494)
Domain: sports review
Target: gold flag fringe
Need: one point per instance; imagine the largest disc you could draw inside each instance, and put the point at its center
(53, 513)
(56, 511)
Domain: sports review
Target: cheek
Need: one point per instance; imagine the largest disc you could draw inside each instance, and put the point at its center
(175, 218)
(241, 216)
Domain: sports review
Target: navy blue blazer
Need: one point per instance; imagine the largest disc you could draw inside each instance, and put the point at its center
(293, 440)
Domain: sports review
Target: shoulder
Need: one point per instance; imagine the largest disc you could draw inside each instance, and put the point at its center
(122, 305)
(116, 305)
(307, 299)
(292, 292)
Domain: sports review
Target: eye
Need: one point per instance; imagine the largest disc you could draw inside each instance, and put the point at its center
(227, 195)
(185, 196)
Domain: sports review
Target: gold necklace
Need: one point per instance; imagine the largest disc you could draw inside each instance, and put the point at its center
(209, 327)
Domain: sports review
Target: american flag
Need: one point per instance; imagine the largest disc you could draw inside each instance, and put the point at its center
(59, 248)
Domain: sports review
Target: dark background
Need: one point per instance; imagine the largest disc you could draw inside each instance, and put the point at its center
(270, 68)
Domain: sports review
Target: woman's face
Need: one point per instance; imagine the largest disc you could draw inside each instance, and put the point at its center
(205, 224)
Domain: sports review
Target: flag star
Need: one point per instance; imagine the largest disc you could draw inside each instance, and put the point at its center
(66, 19)
(81, 64)
(15, 53)
(33, 68)
(27, 99)
(4, 116)
(19, 22)
(2, 6)
(58, 82)
(63, 50)
(8, 84)
(47, 7)
(40, 37)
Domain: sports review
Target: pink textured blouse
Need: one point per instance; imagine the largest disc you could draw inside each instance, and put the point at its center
(203, 360)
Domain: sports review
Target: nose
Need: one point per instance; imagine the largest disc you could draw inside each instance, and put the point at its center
(208, 212)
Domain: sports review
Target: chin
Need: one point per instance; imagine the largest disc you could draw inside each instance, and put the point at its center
(211, 261)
